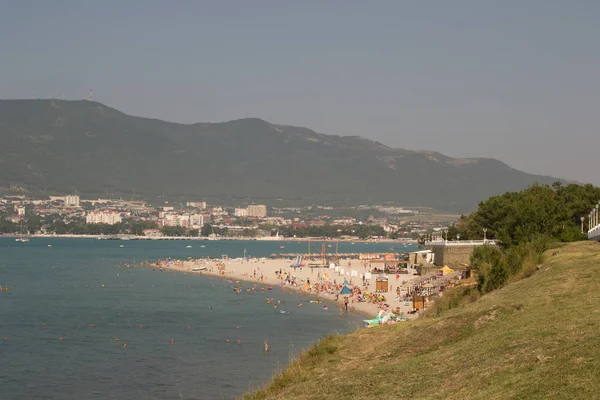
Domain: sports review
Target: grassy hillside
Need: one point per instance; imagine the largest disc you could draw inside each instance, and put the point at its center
(87, 148)
(536, 338)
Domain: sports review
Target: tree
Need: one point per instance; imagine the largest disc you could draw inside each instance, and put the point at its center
(173, 230)
(525, 223)
(206, 229)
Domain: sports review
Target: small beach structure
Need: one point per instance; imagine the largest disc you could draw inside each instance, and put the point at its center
(381, 283)
(445, 270)
(346, 290)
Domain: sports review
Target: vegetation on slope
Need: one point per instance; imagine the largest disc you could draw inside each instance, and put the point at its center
(90, 149)
(536, 338)
(526, 223)
(541, 210)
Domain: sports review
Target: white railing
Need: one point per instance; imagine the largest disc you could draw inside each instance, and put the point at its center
(594, 233)
(593, 222)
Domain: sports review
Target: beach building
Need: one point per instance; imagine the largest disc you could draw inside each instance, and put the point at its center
(455, 253)
(257, 211)
(109, 218)
(422, 257)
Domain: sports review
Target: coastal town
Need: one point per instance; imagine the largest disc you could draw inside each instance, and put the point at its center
(72, 215)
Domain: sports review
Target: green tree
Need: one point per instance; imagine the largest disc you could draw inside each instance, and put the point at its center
(173, 230)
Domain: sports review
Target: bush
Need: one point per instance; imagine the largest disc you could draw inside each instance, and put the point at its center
(492, 268)
(453, 298)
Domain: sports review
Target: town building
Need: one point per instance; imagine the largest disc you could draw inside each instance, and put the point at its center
(240, 212)
(257, 211)
(152, 232)
(196, 221)
(71, 201)
(196, 204)
(109, 218)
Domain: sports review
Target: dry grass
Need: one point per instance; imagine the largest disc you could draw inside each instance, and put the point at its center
(536, 338)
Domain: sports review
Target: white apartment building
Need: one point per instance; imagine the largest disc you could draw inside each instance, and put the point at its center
(196, 221)
(71, 200)
(196, 204)
(240, 212)
(109, 218)
(257, 211)
(189, 221)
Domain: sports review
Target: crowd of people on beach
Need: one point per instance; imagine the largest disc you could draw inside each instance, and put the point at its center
(324, 283)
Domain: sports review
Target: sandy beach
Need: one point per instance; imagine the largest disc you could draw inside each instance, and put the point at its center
(303, 280)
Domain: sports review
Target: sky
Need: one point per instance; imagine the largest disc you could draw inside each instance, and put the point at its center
(514, 80)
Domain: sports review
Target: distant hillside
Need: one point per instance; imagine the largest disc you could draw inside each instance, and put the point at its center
(91, 149)
(534, 339)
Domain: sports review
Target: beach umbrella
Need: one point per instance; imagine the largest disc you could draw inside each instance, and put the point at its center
(346, 290)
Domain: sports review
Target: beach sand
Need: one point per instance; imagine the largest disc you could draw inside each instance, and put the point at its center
(244, 270)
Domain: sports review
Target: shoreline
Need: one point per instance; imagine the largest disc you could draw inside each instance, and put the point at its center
(133, 237)
(243, 271)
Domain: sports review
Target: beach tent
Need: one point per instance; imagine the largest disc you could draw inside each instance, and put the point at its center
(346, 290)
(445, 270)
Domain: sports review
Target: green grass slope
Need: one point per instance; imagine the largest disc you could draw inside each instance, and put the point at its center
(538, 338)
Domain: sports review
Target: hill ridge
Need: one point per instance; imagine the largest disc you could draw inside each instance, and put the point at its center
(89, 148)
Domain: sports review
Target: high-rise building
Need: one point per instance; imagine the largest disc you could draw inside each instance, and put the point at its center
(196, 221)
(196, 204)
(240, 212)
(257, 211)
(72, 200)
(109, 218)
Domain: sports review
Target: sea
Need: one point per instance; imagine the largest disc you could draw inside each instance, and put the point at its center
(73, 325)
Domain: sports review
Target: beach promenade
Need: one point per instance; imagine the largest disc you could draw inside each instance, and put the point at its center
(266, 271)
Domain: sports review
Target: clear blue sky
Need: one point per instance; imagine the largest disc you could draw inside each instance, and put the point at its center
(515, 80)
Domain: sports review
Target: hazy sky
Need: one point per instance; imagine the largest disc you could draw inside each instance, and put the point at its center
(514, 80)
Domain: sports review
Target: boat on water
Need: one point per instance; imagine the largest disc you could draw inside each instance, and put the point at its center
(22, 240)
(188, 247)
(121, 245)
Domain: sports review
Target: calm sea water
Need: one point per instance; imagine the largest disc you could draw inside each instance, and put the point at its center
(74, 289)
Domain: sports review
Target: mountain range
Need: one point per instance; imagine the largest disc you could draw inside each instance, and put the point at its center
(85, 147)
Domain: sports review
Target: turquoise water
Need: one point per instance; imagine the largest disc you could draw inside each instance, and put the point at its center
(74, 284)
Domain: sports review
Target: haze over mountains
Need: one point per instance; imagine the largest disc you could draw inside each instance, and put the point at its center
(88, 148)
